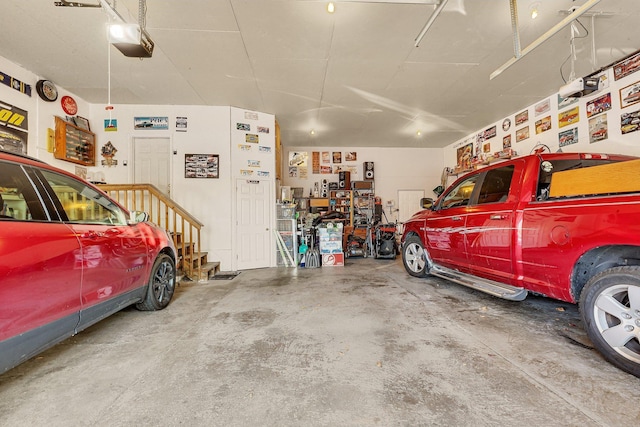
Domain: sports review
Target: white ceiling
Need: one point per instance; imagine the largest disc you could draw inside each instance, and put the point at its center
(354, 76)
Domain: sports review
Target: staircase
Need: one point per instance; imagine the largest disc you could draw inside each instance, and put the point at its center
(185, 229)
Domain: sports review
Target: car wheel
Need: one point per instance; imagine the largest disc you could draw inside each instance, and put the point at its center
(162, 284)
(414, 257)
(610, 309)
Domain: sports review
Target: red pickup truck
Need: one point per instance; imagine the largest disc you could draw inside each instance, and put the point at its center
(534, 224)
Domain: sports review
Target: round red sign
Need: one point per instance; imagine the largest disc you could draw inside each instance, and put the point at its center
(69, 105)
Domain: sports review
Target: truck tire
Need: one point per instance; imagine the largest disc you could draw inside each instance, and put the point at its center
(610, 309)
(414, 257)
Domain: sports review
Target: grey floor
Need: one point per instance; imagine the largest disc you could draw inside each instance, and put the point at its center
(360, 345)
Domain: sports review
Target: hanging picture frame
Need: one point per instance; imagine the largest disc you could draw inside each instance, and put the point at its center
(81, 122)
(201, 166)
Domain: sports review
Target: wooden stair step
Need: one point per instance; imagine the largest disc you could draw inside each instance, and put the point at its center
(207, 271)
(188, 248)
(177, 237)
(192, 259)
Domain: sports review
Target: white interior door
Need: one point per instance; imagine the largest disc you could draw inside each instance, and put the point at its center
(408, 204)
(152, 162)
(253, 212)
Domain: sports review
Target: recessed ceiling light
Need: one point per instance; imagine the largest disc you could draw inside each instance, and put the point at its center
(419, 133)
(313, 132)
(331, 7)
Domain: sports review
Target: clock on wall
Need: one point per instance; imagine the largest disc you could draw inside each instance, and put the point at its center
(69, 105)
(46, 90)
(506, 124)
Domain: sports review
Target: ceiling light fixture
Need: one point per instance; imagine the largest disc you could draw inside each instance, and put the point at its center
(130, 39)
(331, 7)
(313, 132)
(533, 9)
(124, 33)
(419, 133)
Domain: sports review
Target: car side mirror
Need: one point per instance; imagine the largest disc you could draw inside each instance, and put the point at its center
(138, 216)
(426, 203)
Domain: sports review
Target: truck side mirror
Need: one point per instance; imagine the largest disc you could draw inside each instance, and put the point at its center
(426, 203)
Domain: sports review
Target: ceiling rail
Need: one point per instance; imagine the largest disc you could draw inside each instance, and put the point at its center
(566, 21)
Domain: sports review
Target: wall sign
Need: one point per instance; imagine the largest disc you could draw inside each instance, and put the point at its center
(15, 83)
(69, 105)
(154, 123)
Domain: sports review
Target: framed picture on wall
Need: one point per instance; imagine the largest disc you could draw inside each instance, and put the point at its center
(630, 95)
(81, 122)
(201, 166)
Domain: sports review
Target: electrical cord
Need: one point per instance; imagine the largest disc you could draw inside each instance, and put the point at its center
(571, 54)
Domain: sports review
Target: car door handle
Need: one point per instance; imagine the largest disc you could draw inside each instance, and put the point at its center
(91, 234)
(456, 218)
(498, 216)
(112, 232)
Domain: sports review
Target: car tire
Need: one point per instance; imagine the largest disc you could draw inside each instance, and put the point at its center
(414, 257)
(610, 309)
(161, 286)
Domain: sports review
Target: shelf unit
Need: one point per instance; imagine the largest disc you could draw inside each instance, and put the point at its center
(342, 201)
(364, 205)
(74, 144)
(287, 232)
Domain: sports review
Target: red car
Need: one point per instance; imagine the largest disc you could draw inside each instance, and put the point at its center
(69, 257)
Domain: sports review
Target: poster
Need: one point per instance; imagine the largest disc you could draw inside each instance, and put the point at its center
(151, 123)
(543, 125)
(181, 124)
(298, 158)
(569, 117)
(13, 128)
(598, 128)
(201, 166)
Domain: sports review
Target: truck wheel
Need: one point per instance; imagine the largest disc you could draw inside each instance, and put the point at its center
(162, 284)
(610, 309)
(414, 257)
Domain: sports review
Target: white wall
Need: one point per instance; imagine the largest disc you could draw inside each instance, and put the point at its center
(395, 169)
(616, 143)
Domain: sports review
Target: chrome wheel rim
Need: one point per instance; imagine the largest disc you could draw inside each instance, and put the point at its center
(616, 314)
(415, 257)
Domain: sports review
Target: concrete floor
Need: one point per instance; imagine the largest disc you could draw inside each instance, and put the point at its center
(360, 345)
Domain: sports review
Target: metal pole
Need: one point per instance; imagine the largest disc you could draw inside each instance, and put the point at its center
(432, 18)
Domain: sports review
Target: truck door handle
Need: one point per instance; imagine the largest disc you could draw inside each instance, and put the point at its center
(498, 216)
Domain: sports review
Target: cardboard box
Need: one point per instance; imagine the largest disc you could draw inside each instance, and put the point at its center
(333, 260)
(621, 177)
(330, 238)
